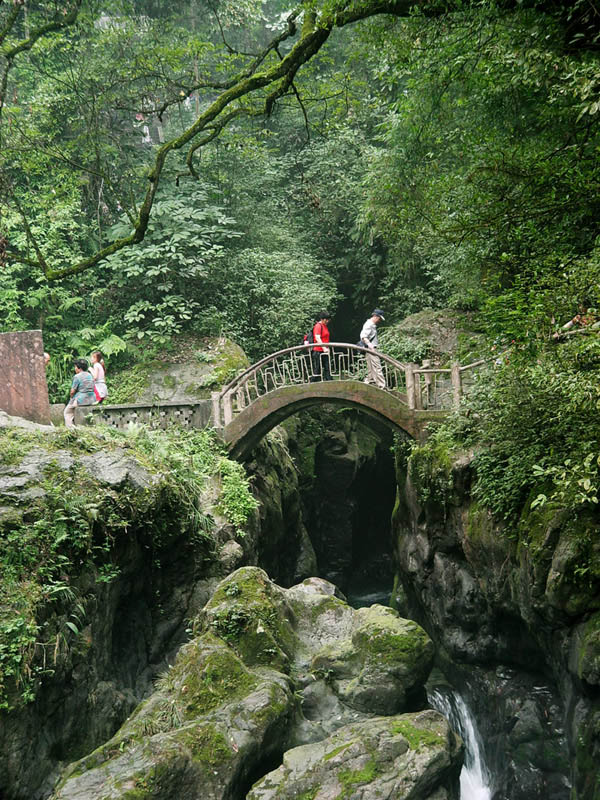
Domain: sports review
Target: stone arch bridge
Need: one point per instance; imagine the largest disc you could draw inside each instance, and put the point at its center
(284, 382)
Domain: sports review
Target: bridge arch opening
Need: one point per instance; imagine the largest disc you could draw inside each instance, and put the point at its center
(249, 426)
(346, 484)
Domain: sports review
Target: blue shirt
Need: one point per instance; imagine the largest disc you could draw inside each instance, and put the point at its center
(83, 383)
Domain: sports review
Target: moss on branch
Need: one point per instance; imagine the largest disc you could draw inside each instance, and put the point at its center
(316, 29)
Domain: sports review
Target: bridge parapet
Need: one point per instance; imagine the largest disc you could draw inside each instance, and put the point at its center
(294, 366)
(156, 415)
(420, 388)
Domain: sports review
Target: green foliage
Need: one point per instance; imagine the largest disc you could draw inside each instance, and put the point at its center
(430, 467)
(88, 339)
(479, 187)
(575, 482)
(405, 348)
(533, 424)
(266, 300)
(237, 502)
(39, 547)
(185, 460)
(18, 636)
(168, 272)
(72, 528)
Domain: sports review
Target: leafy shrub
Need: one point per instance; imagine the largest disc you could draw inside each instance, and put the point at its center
(403, 347)
(237, 501)
(532, 423)
(430, 467)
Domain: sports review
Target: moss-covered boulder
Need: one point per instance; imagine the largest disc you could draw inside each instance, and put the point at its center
(255, 683)
(385, 660)
(438, 335)
(406, 756)
(200, 735)
(251, 613)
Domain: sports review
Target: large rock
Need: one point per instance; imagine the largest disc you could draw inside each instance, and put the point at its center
(383, 661)
(523, 618)
(190, 371)
(254, 683)
(283, 548)
(9, 421)
(199, 736)
(410, 756)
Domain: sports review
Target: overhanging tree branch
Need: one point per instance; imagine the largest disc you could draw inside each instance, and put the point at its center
(316, 29)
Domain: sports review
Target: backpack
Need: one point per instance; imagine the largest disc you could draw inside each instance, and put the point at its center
(308, 337)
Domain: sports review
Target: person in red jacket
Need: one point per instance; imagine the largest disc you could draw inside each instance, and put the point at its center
(321, 353)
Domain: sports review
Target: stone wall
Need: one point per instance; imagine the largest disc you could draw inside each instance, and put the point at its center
(156, 415)
(23, 388)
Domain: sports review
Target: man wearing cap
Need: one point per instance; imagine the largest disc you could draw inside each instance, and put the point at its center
(369, 338)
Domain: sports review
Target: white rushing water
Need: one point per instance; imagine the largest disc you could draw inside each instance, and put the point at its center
(474, 777)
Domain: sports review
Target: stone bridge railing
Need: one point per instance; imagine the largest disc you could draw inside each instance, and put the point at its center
(418, 387)
(156, 415)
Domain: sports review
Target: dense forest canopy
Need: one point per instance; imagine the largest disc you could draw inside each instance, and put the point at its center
(227, 167)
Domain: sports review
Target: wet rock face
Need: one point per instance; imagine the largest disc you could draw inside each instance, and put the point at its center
(510, 620)
(135, 623)
(282, 546)
(348, 491)
(235, 700)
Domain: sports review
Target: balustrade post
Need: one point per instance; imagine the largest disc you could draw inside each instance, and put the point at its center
(409, 374)
(417, 383)
(216, 410)
(240, 399)
(456, 384)
(227, 410)
(427, 376)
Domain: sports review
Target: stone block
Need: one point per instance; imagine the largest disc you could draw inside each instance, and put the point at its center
(23, 388)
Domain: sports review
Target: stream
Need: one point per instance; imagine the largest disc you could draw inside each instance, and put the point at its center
(475, 779)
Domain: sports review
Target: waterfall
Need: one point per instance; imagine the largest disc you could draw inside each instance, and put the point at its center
(474, 777)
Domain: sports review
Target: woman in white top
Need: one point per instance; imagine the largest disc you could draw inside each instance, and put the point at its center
(98, 373)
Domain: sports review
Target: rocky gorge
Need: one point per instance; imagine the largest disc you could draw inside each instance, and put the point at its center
(515, 623)
(221, 666)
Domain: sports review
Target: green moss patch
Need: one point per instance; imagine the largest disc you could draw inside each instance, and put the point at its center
(383, 636)
(416, 737)
(349, 778)
(206, 675)
(337, 750)
(588, 660)
(208, 746)
(249, 612)
(128, 385)
(430, 468)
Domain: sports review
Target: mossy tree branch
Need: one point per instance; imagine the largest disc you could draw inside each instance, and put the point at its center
(316, 29)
